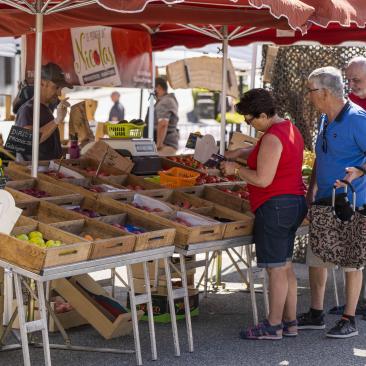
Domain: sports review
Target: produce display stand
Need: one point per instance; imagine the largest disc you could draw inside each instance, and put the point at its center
(64, 271)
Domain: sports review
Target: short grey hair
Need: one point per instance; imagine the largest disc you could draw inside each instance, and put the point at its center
(359, 60)
(329, 78)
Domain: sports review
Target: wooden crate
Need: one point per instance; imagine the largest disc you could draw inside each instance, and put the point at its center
(34, 258)
(107, 240)
(25, 221)
(69, 319)
(240, 224)
(25, 166)
(81, 166)
(46, 212)
(131, 181)
(100, 207)
(194, 234)
(107, 325)
(16, 174)
(215, 195)
(178, 199)
(51, 189)
(82, 186)
(20, 196)
(157, 234)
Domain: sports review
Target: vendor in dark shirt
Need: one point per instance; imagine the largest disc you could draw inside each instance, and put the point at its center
(52, 82)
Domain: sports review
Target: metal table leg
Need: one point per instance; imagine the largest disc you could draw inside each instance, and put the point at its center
(21, 316)
(171, 297)
(186, 302)
(150, 313)
(206, 274)
(251, 284)
(43, 319)
(135, 325)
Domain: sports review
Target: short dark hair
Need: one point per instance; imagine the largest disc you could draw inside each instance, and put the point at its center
(162, 83)
(256, 101)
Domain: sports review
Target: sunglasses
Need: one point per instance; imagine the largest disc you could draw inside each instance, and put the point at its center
(249, 121)
(324, 135)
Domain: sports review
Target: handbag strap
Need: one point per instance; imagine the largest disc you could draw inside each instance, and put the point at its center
(347, 184)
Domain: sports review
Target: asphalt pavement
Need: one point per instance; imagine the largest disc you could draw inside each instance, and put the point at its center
(215, 329)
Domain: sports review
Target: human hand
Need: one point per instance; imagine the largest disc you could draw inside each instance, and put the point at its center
(228, 167)
(352, 174)
(61, 110)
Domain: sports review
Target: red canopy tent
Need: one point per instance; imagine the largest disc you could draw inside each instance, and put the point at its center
(253, 19)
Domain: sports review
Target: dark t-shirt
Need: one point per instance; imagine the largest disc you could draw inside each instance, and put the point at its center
(117, 112)
(49, 149)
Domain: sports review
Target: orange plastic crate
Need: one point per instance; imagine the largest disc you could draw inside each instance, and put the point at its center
(178, 177)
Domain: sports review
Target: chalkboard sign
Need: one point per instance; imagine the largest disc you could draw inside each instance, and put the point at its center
(19, 140)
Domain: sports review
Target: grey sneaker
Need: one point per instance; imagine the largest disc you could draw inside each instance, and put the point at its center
(309, 321)
(343, 329)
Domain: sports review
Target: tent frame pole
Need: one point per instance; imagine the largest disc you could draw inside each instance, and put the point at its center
(225, 43)
(37, 90)
(152, 101)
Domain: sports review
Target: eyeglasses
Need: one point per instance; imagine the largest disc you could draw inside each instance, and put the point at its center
(311, 90)
(249, 121)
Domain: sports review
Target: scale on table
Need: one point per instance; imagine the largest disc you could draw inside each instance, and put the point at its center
(142, 152)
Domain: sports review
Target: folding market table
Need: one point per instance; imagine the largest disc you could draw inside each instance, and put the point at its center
(227, 245)
(65, 271)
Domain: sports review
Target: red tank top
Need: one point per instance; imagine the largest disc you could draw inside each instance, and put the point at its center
(288, 177)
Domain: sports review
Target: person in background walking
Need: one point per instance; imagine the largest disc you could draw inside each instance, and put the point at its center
(117, 112)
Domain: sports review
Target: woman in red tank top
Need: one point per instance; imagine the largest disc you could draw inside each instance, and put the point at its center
(276, 194)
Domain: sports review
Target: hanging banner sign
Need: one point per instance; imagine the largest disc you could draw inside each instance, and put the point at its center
(95, 56)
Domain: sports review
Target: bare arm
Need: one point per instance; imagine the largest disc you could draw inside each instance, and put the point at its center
(310, 195)
(267, 162)
(239, 153)
(161, 132)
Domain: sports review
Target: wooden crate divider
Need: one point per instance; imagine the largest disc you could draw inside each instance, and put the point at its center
(80, 166)
(157, 234)
(51, 189)
(177, 198)
(188, 235)
(34, 258)
(106, 239)
(131, 181)
(240, 224)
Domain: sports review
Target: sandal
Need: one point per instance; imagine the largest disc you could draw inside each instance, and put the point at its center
(263, 330)
(290, 324)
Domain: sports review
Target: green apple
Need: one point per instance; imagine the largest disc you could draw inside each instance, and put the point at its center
(50, 243)
(38, 241)
(35, 234)
(22, 237)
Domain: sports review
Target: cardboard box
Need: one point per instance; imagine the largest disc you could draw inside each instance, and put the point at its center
(160, 306)
(112, 159)
(139, 284)
(138, 269)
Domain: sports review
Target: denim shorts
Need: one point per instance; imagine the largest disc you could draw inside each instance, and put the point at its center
(275, 225)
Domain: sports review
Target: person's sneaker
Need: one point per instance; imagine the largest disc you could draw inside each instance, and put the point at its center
(343, 329)
(263, 331)
(309, 321)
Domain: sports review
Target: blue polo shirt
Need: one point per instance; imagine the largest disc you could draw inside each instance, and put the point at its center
(342, 145)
